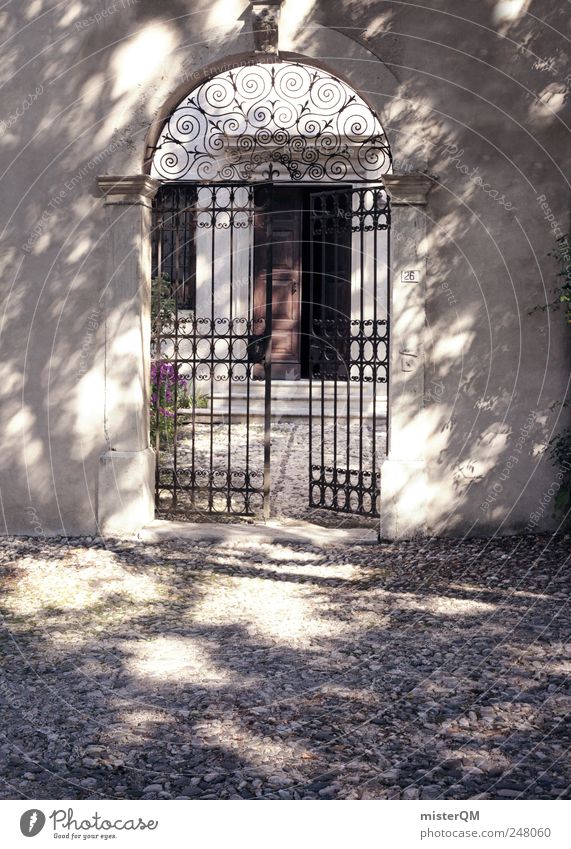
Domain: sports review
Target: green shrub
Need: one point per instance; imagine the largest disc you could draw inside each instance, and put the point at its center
(560, 445)
(166, 381)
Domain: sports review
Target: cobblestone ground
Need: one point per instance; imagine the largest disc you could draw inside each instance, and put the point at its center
(233, 671)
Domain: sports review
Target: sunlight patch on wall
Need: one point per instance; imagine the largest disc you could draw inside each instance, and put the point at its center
(292, 21)
(428, 429)
(290, 555)
(91, 91)
(90, 398)
(21, 439)
(496, 437)
(507, 11)
(137, 61)
(136, 723)
(550, 101)
(315, 129)
(42, 244)
(449, 348)
(225, 13)
(284, 562)
(75, 11)
(33, 9)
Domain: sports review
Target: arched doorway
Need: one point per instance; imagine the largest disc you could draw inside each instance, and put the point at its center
(270, 237)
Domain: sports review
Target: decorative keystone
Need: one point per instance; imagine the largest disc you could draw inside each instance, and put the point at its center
(265, 25)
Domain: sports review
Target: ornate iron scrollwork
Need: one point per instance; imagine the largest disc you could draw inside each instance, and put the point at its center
(272, 121)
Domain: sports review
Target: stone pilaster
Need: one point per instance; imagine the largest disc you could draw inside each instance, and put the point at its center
(403, 472)
(126, 469)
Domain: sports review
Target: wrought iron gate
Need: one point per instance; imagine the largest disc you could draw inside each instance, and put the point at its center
(348, 350)
(211, 404)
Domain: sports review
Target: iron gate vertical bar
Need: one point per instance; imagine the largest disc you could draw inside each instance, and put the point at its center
(361, 347)
(193, 355)
(176, 219)
(323, 312)
(157, 334)
(337, 230)
(268, 357)
(310, 341)
(352, 192)
(212, 348)
(250, 331)
(230, 342)
(388, 331)
(175, 341)
(375, 350)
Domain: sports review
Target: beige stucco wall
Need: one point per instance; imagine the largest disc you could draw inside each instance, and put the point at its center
(456, 91)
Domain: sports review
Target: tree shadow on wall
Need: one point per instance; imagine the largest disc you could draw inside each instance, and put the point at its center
(95, 90)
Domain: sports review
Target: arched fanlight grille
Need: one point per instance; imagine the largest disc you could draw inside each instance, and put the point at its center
(280, 121)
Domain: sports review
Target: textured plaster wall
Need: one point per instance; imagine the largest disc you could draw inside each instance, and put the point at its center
(476, 95)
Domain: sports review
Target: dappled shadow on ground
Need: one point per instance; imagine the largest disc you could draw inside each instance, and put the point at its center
(398, 671)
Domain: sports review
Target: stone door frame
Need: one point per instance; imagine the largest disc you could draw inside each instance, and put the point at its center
(125, 500)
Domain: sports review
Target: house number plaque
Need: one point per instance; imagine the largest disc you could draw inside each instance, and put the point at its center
(411, 275)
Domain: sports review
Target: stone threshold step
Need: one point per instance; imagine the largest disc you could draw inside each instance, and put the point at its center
(273, 531)
(242, 413)
(297, 392)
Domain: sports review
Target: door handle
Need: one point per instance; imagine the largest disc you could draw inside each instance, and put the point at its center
(293, 288)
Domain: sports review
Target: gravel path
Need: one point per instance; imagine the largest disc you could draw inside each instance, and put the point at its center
(397, 671)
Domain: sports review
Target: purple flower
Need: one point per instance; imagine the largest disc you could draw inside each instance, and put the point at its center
(164, 379)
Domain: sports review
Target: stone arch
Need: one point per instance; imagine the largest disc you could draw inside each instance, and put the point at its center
(377, 86)
(276, 119)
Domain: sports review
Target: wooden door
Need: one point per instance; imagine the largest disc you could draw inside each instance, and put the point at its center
(286, 228)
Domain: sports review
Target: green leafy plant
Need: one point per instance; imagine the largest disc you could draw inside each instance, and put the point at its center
(560, 453)
(163, 303)
(199, 400)
(560, 445)
(562, 292)
(562, 254)
(170, 390)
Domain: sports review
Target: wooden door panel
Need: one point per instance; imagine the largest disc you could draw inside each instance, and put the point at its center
(286, 219)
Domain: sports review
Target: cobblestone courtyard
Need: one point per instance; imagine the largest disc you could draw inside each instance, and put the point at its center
(242, 671)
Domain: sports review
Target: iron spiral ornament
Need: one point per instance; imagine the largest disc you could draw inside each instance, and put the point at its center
(279, 120)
